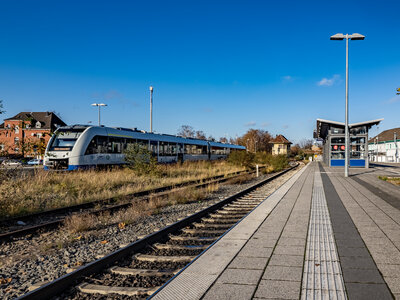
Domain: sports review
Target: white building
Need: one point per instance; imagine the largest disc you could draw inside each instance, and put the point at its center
(385, 147)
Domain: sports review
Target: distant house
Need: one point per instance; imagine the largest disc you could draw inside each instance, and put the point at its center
(27, 133)
(385, 147)
(281, 145)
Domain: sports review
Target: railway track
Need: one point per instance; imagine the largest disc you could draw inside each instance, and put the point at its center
(141, 268)
(51, 219)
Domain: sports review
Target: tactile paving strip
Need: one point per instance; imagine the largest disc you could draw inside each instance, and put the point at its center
(322, 278)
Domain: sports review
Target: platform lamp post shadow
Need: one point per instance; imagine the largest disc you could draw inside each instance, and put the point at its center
(341, 36)
(99, 105)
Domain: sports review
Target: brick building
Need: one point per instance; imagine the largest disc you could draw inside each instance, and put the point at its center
(27, 133)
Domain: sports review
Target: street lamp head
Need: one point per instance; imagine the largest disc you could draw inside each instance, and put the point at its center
(98, 104)
(338, 36)
(102, 104)
(151, 88)
(357, 36)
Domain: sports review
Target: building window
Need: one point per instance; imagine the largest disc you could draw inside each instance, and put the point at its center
(38, 125)
(16, 129)
(16, 141)
(1, 147)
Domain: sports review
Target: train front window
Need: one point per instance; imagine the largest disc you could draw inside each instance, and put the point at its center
(65, 140)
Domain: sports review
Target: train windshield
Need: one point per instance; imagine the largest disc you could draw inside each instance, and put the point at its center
(65, 139)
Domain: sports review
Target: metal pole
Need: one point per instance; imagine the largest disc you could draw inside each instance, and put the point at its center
(99, 114)
(395, 147)
(151, 109)
(346, 161)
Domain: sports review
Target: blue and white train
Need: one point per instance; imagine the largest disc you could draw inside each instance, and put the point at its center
(83, 146)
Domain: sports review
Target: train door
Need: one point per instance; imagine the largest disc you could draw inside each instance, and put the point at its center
(154, 148)
(180, 152)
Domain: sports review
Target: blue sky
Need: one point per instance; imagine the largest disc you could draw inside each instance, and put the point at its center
(220, 66)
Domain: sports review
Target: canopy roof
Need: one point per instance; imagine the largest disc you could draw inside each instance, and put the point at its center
(324, 125)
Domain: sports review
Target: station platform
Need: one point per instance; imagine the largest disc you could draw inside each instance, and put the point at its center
(319, 236)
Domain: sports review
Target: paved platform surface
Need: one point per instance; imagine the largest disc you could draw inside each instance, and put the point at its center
(319, 236)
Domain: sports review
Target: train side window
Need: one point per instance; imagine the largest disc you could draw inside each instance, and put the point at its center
(115, 145)
(143, 143)
(98, 144)
(153, 147)
(102, 142)
(92, 147)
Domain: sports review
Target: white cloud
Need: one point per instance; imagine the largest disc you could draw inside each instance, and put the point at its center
(287, 78)
(394, 99)
(252, 123)
(265, 124)
(329, 81)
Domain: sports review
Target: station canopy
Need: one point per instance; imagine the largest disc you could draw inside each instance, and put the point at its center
(324, 125)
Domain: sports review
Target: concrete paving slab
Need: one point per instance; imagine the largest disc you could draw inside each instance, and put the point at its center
(283, 273)
(367, 291)
(286, 260)
(254, 263)
(283, 241)
(292, 250)
(230, 291)
(240, 276)
(250, 251)
(278, 289)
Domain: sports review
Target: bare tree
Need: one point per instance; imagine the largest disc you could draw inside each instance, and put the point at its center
(256, 139)
(200, 135)
(1, 107)
(306, 143)
(223, 140)
(186, 131)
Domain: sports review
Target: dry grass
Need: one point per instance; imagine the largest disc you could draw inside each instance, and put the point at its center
(24, 194)
(392, 180)
(240, 179)
(85, 222)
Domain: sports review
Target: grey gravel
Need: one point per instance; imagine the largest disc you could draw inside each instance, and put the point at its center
(31, 260)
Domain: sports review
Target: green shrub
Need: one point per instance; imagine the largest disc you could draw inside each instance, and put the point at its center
(279, 162)
(140, 160)
(242, 159)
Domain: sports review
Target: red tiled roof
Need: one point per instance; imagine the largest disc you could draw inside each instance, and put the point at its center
(47, 119)
(386, 136)
(280, 139)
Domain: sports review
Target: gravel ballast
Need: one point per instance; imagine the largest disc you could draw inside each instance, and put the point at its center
(47, 256)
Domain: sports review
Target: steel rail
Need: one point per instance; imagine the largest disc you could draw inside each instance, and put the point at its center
(59, 285)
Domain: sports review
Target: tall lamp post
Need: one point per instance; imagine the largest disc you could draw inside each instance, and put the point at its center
(99, 105)
(341, 36)
(151, 109)
(395, 147)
